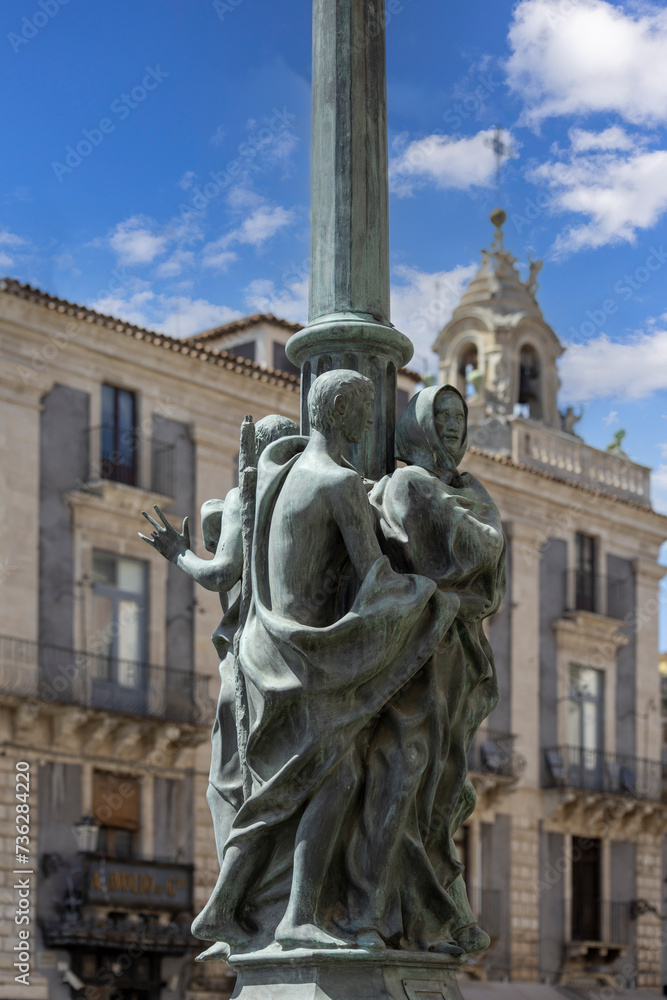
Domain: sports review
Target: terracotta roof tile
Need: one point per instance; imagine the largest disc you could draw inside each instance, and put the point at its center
(182, 345)
(238, 325)
(228, 360)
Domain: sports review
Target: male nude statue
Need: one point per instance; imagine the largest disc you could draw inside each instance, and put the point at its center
(332, 634)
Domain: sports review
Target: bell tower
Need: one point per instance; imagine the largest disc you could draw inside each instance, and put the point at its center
(497, 348)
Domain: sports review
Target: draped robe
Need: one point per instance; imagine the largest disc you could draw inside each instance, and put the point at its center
(416, 761)
(314, 694)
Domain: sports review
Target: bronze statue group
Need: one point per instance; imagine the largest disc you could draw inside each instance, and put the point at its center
(354, 674)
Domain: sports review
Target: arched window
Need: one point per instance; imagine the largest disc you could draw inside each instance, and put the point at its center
(467, 362)
(530, 393)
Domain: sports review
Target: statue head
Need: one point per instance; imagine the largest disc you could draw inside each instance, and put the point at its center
(450, 414)
(272, 428)
(267, 429)
(433, 430)
(341, 399)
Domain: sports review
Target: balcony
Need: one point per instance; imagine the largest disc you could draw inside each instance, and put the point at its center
(54, 674)
(600, 922)
(567, 457)
(494, 765)
(606, 773)
(493, 753)
(601, 934)
(131, 458)
(598, 594)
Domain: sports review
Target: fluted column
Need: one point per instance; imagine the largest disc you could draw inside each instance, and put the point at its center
(348, 323)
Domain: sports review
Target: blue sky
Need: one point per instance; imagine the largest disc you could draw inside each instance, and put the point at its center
(158, 170)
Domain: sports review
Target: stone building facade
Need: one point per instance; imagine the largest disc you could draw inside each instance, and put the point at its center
(108, 676)
(564, 850)
(107, 672)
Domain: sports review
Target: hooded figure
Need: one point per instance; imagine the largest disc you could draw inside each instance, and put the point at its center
(333, 633)
(440, 524)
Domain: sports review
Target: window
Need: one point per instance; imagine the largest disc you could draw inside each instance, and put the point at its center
(584, 722)
(246, 350)
(119, 618)
(281, 361)
(529, 382)
(116, 808)
(467, 363)
(585, 574)
(119, 437)
(586, 881)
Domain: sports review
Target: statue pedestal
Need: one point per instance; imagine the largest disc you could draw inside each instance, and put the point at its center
(345, 975)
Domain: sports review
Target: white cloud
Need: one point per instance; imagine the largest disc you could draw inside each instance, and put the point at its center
(422, 303)
(581, 56)
(187, 180)
(184, 316)
(659, 492)
(444, 160)
(175, 263)
(135, 242)
(610, 138)
(260, 224)
(132, 308)
(290, 302)
(12, 242)
(215, 256)
(10, 239)
(619, 193)
(176, 315)
(218, 136)
(603, 368)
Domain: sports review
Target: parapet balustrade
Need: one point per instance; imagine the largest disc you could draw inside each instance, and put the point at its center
(568, 457)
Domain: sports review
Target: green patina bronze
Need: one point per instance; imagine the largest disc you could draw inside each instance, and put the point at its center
(354, 667)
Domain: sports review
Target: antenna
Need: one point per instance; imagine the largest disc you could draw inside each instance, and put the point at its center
(501, 151)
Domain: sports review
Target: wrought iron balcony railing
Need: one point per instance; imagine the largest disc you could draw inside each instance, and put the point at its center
(603, 595)
(595, 771)
(90, 930)
(48, 673)
(131, 458)
(494, 753)
(600, 921)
